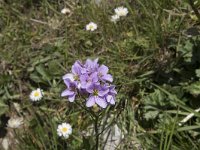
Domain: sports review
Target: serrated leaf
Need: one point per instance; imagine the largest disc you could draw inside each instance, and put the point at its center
(156, 98)
(151, 115)
(194, 88)
(187, 51)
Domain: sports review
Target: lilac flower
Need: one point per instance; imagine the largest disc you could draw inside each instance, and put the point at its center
(91, 66)
(75, 75)
(110, 96)
(76, 72)
(90, 79)
(97, 93)
(103, 73)
(87, 80)
(70, 92)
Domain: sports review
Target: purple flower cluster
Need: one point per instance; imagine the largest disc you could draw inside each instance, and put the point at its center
(90, 79)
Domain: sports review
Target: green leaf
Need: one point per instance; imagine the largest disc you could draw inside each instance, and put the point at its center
(54, 67)
(3, 108)
(155, 99)
(153, 102)
(42, 71)
(88, 142)
(194, 88)
(36, 78)
(197, 71)
(187, 50)
(4, 79)
(189, 128)
(151, 115)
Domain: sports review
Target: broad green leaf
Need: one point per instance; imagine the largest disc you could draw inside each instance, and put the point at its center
(42, 71)
(54, 67)
(36, 78)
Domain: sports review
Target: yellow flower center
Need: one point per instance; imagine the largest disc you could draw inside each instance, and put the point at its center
(64, 129)
(36, 94)
(90, 27)
(95, 92)
(76, 77)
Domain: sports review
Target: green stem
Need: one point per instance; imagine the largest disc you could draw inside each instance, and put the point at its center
(96, 132)
(90, 112)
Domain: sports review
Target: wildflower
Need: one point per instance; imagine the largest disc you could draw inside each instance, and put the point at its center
(74, 76)
(121, 11)
(110, 97)
(91, 26)
(87, 80)
(114, 18)
(92, 80)
(15, 122)
(97, 93)
(64, 130)
(65, 11)
(70, 92)
(36, 95)
(91, 66)
(103, 73)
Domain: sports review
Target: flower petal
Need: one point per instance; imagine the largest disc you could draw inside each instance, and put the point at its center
(94, 77)
(91, 101)
(69, 76)
(76, 69)
(67, 93)
(90, 88)
(72, 98)
(107, 77)
(110, 99)
(101, 102)
(103, 69)
(103, 92)
(66, 136)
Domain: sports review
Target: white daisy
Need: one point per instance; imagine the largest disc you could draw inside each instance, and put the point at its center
(121, 11)
(15, 122)
(36, 95)
(91, 26)
(65, 11)
(64, 130)
(114, 18)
